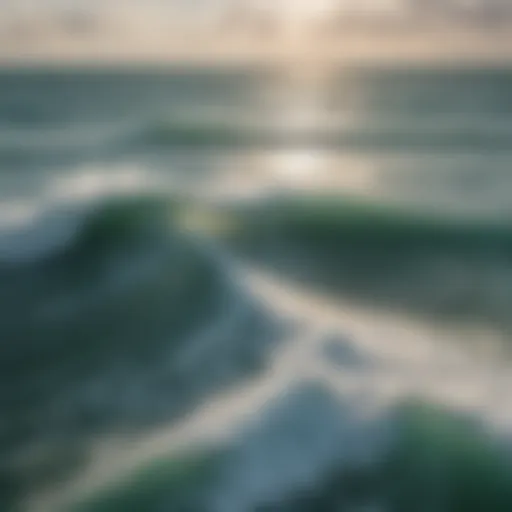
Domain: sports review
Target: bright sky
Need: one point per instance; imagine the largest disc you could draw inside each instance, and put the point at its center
(292, 7)
(291, 11)
(140, 29)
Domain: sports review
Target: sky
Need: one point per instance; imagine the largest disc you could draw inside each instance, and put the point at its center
(292, 7)
(289, 8)
(138, 26)
(198, 13)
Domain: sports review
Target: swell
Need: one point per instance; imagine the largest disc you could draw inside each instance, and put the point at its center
(408, 135)
(420, 262)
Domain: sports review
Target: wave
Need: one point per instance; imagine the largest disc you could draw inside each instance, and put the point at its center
(256, 131)
(399, 258)
(186, 133)
(57, 138)
(35, 225)
(409, 135)
(109, 256)
(311, 451)
(127, 323)
(38, 148)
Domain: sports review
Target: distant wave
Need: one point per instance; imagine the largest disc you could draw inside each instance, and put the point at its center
(56, 138)
(187, 133)
(409, 134)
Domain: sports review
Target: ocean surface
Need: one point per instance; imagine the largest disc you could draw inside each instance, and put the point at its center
(306, 272)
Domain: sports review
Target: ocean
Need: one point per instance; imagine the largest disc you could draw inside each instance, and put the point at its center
(307, 273)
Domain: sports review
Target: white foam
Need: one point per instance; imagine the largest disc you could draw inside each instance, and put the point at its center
(93, 183)
(32, 227)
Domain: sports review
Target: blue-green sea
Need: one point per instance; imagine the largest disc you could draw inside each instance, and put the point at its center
(179, 247)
